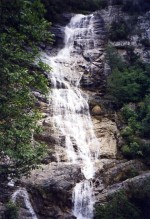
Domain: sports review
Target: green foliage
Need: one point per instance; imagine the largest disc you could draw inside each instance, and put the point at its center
(132, 172)
(127, 132)
(127, 85)
(11, 211)
(132, 150)
(115, 61)
(128, 112)
(119, 30)
(130, 86)
(136, 205)
(138, 125)
(144, 115)
(23, 28)
(118, 208)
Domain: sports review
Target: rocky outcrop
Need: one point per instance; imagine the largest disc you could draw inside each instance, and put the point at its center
(107, 134)
(138, 37)
(129, 186)
(93, 78)
(113, 176)
(51, 189)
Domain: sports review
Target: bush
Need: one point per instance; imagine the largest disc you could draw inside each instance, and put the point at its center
(11, 211)
(127, 132)
(118, 208)
(127, 85)
(130, 86)
(136, 206)
(132, 150)
(115, 61)
(23, 29)
(144, 116)
(128, 112)
(119, 30)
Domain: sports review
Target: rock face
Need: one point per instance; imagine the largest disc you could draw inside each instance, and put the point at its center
(51, 189)
(94, 78)
(115, 175)
(107, 133)
(139, 32)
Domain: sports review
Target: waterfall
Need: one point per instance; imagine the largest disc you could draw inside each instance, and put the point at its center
(22, 192)
(70, 109)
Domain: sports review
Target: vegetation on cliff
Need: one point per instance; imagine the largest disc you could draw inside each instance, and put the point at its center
(23, 28)
(129, 86)
(119, 207)
(125, 206)
(11, 211)
(128, 93)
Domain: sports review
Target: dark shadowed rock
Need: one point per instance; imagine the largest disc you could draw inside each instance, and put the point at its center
(51, 189)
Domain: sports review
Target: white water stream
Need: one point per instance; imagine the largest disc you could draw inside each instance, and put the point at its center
(22, 192)
(71, 111)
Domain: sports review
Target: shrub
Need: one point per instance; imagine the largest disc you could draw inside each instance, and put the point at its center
(127, 85)
(115, 61)
(144, 116)
(132, 150)
(127, 132)
(128, 112)
(11, 211)
(119, 30)
(132, 173)
(23, 29)
(118, 208)
(146, 152)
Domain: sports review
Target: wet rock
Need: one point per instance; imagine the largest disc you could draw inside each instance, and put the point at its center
(58, 32)
(95, 79)
(51, 189)
(123, 171)
(129, 186)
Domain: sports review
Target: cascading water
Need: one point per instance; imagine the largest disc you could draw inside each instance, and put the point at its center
(71, 111)
(22, 192)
